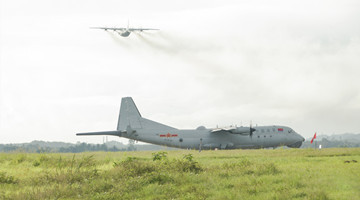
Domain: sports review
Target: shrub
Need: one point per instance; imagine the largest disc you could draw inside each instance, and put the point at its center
(188, 166)
(189, 157)
(21, 158)
(159, 156)
(36, 163)
(267, 169)
(133, 167)
(7, 179)
(70, 171)
(160, 178)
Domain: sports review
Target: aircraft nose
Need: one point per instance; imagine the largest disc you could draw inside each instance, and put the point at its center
(298, 140)
(301, 138)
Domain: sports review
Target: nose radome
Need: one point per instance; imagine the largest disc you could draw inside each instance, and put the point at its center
(301, 138)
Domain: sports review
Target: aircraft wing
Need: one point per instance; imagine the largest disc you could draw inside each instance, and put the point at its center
(115, 133)
(109, 28)
(143, 29)
(125, 29)
(235, 130)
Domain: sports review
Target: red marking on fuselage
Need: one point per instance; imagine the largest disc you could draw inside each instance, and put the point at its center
(168, 135)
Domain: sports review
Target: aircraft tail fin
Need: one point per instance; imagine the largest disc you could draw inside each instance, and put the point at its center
(129, 114)
(130, 118)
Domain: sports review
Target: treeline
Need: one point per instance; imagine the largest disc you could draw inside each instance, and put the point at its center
(80, 147)
(325, 143)
(84, 147)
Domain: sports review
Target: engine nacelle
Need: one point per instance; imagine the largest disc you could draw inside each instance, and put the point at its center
(243, 130)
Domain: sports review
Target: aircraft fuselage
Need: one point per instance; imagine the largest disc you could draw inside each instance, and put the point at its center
(263, 137)
(125, 34)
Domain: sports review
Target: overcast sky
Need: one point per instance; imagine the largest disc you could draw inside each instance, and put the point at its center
(212, 63)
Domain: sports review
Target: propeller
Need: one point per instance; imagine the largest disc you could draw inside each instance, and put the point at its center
(251, 129)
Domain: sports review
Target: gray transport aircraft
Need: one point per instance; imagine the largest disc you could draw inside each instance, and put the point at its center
(125, 32)
(133, 126)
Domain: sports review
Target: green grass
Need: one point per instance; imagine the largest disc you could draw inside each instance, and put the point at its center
(183, 174)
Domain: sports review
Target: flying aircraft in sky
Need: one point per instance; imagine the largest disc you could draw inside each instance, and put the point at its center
(125, 32)
(133, 126)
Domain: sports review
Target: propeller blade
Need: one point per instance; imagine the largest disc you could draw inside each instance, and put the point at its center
(251, 129)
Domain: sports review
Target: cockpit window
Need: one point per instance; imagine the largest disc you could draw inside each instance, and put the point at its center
(290, 131)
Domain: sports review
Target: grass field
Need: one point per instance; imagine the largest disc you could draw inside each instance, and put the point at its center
(183, 174)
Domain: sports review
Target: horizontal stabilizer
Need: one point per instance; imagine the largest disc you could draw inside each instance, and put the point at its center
(115, 133)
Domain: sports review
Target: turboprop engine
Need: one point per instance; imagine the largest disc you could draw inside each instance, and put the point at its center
(243, 130)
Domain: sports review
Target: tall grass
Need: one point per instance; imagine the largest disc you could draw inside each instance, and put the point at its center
(237, 174)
